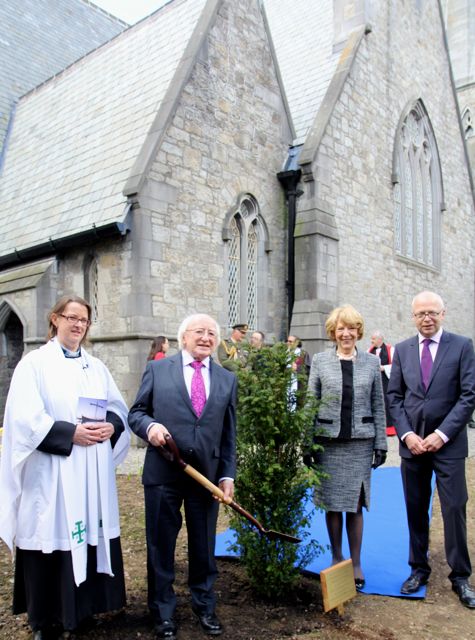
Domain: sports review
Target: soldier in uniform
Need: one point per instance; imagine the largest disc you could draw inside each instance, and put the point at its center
(231, 355)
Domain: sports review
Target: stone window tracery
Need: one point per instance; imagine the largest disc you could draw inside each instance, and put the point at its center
(91, 285)
(467, 122)
(245, 236)
(417, 191)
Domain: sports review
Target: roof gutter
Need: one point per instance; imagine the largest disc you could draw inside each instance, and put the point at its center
(52, 246)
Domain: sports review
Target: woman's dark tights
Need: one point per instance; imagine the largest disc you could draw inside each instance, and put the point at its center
(354, 531)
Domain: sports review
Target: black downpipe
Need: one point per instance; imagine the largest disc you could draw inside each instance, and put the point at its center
(289, 181)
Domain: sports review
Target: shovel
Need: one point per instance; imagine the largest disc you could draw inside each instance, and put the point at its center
(170, 451)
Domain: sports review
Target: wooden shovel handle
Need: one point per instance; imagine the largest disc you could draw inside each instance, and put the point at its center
(216, 491)
(203, 480)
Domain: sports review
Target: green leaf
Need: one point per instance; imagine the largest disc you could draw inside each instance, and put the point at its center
(272, 481)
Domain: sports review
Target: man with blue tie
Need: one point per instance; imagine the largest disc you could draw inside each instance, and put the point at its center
(193, 399)
(432, 396)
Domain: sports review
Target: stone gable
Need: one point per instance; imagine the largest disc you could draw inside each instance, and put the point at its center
(396, 63)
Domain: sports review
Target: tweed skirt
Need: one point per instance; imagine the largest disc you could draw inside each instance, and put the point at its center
(347, 464)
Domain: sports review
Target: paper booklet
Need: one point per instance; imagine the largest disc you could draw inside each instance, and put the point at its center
(91, 410)
(387, 370)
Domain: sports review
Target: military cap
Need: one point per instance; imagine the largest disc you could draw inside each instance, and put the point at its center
(241, 327)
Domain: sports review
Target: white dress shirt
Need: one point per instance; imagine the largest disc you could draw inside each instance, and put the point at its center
(188, 371)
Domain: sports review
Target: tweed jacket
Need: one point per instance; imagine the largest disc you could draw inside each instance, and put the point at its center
(368, 415)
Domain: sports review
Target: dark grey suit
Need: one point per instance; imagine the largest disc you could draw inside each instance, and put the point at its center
(208, 444)
(446, 405)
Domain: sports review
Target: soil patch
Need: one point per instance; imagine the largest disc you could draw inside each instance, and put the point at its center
(247, 618)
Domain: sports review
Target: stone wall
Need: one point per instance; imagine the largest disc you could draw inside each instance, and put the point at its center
(229, 136)
(401, 60)
(466, 98)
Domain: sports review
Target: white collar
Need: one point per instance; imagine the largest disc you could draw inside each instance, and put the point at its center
(435, 338)
(187, 359)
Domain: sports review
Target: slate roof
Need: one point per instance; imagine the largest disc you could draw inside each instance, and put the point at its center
(302, 35)
(75, 139)
(84, 139)
(39, 38)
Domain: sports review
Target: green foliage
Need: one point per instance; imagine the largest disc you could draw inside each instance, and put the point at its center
(273, 430)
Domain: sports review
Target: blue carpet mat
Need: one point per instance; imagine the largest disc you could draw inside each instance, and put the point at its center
(385, 538)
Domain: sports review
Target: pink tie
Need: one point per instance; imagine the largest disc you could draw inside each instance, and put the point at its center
(198, 392)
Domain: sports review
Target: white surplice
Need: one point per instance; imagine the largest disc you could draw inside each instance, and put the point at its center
(53, 502)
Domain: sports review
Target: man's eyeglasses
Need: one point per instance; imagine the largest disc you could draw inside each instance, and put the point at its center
(202, 332)
(422, 314)
(84, 322)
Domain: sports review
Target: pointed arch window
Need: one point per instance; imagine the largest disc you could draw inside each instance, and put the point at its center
(417, 194)
(11, 348)
(246, 235)
(91, 285)
(467, 122)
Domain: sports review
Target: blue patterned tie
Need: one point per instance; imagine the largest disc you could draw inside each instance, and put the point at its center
(426, 362)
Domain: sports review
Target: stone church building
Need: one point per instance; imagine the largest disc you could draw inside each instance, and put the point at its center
(257, 160)
(460, 26)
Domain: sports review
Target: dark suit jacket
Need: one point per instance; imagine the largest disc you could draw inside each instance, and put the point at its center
(208, 443)
(449, 401)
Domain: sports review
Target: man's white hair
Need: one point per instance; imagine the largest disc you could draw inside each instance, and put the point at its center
(194, 317)
(428, 294)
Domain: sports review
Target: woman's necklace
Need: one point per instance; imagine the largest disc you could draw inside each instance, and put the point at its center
(346, 356)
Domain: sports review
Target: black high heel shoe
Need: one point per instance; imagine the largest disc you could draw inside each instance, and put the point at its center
(359, 583)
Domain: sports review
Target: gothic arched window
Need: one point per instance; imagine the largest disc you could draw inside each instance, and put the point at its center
(91, 285)
(418, 190)
(11, 349)
(245, 231)
(467, 122)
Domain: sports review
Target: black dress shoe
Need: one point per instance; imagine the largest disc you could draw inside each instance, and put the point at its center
(414, 583)
(166, 629)
(465, 593)
(359, 583)
(210, 623)
(45, 634)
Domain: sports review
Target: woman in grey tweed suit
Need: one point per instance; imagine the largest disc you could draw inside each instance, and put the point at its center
(351, 426)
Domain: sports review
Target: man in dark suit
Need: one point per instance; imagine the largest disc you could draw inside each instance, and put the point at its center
(170, 401)
(432, 396)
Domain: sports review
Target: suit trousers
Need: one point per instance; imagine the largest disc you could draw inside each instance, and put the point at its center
(452, 490)
(163, 521)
